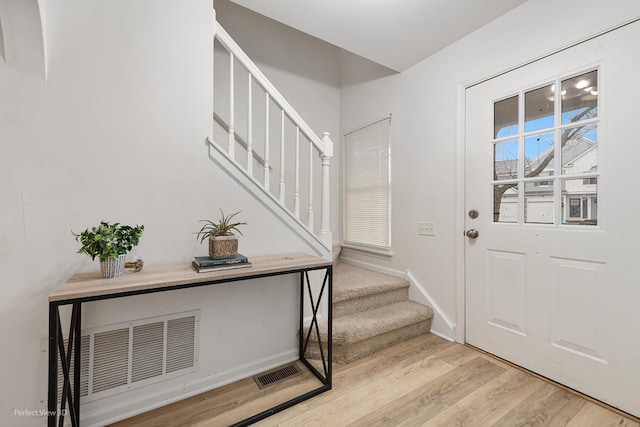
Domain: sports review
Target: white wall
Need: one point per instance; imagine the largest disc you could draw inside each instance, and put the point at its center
(424, 101)
(117, 132)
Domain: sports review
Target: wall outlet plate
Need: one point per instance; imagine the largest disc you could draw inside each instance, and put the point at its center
(426, 228)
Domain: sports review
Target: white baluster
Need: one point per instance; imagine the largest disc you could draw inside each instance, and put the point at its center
(327, 154)
(322, 146)
(266, 143)
(250, 130)
(232, 136)
(282, 195)
(296, 191)
(310, 218)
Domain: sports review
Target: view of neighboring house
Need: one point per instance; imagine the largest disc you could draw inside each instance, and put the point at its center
(579, 196)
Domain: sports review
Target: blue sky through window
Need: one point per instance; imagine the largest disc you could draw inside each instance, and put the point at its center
(537, 145)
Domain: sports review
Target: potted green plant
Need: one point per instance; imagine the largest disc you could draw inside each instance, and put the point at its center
(223, 243)
(110, 243)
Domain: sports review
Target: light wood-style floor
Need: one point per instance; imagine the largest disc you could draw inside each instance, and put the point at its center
(427, 381)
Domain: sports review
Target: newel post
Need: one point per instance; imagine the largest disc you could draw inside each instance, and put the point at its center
(327, 154)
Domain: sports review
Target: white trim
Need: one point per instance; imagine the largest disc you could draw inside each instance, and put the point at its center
(368, 250)
(460, 220)
(441, 325)
(434, 332)
(374, 267)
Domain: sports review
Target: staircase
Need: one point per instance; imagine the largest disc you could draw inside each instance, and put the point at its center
(277, 158)
(263, 144)
(371, 311)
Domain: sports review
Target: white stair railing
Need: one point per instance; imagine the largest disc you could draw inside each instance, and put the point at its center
(261, 140)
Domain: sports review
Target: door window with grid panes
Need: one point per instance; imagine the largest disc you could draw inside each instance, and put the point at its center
(545, 147)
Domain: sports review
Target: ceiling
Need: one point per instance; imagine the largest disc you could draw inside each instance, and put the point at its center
(393, 33)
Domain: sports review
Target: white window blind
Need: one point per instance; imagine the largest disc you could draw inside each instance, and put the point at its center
(367, 186)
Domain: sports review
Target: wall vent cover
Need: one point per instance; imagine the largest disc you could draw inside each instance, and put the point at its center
(276, 375)
(122, 357)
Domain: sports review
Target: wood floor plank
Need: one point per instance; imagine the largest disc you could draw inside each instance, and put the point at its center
(489, 403)
(364, 372)
(233, 402)
(592, 415)
(377, 392)
(456, 355)
(432, 397)
(425, 381)
(549, 406)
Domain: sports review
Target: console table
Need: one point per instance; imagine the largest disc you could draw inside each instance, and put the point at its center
(85, 287)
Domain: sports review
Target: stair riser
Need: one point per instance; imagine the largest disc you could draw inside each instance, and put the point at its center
(348, 353)
(368, 302)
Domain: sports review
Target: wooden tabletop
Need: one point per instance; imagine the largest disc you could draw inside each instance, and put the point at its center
(150, 279)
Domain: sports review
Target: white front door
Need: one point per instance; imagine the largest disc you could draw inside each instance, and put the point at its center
(552, 278)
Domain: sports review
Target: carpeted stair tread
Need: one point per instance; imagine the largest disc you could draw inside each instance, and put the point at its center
(354, 282)
(369, 323)
(371, 312)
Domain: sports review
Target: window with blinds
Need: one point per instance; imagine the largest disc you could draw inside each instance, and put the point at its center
(367, 186)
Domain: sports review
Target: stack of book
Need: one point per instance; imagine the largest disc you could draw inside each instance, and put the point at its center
(204, 263)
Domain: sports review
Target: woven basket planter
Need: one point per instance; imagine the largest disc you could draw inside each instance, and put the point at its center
(112, 267)
(223, 247)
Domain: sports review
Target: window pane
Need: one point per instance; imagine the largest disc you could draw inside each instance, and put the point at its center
(538, 202)
(538, 109)
(505, 117)
(580, 149)
(580, 98)
(505, 203)
(558, 129)
(538, 155)
(367, 186)
(505, 164)
(579, 202)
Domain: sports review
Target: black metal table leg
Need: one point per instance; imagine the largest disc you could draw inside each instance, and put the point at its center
(52, 397)
(70, 392)
(76, 359)
(325, 377)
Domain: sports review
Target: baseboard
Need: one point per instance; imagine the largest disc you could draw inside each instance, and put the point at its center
(434, 332)
(373, 267)
(157, 397)
(441, 325)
